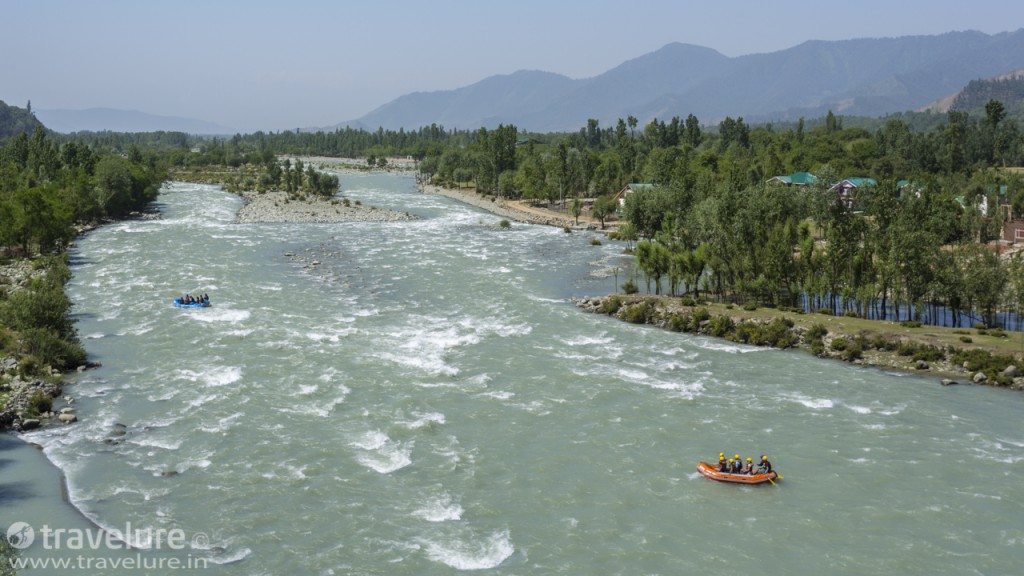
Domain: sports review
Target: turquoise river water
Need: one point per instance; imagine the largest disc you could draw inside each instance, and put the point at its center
(427, 401)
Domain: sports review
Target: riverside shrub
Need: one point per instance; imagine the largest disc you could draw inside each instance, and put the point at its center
(639, 313)
(611, 305)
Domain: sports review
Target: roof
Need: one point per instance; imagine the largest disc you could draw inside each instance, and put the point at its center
(855, 182)
(796, 179)
(632, 187)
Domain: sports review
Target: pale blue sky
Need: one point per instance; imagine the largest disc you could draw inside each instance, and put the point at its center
(273, 65)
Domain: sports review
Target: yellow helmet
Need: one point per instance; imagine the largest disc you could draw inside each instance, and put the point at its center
(763, 457)
(730, 460)
(749, 459)
(736, 456)
(721, 454)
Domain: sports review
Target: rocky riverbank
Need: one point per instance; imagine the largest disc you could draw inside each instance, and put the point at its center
(277, 206)
(28, 391)
(922, 350)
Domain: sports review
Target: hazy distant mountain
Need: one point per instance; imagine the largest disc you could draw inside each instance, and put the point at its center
(871, 76)
(14, 121)
(99, 119)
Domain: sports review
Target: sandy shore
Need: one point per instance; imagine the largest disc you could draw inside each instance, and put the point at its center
(513, 210)
(275, 207)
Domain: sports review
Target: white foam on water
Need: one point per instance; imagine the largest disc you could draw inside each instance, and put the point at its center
(439, 509)
(718, 346)
(499, 394)
(371, 440)
(215, 314)
(223, 424)
(150, 442)
(332, 337)
(388, 458)
(462, 555)
(95, 336)
(424, 419)
(201, 400)
(214, 376)
(813, 403)
(859, 409)
(307, 389)
(588, 340)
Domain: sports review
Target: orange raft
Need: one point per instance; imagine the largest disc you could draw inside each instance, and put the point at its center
(712, 472)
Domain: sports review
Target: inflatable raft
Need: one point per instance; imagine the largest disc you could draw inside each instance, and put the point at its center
(711, 471)
(179, 304)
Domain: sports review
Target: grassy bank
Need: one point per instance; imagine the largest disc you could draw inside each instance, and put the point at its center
(977, 355)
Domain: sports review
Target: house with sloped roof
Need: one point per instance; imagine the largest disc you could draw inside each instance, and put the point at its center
(795, 179)
(844, 189)
(630, 189)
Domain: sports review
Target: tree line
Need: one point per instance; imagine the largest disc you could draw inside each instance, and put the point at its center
(47, 188)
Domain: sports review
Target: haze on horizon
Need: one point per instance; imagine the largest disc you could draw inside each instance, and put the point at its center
(263, 65)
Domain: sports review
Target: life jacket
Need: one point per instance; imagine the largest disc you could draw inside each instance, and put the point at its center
(766, 465)
(723, 466)
(737, 467)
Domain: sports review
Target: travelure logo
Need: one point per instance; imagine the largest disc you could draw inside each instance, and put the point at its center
(20, 535)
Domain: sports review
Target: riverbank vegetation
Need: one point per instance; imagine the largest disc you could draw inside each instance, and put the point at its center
(991, 359)
(49, 192)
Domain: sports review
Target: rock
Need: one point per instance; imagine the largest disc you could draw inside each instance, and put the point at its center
(948, 382)
(81, 368)
(921, 365)
(119, 430)
(979, 378)
(29, 424)
(9, 362)
(1011, 371)
(69, 399)
(67, 418)
(67, 410)
(169, 473)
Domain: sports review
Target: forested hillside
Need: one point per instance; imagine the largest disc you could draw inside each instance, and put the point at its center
(14, 121)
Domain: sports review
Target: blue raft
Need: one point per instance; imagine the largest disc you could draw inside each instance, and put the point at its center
(179, 304)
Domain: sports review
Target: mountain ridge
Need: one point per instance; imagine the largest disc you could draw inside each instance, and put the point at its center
(866, 76)
(118, 120)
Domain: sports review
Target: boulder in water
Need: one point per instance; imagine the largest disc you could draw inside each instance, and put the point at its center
(1011, 371)
(979, 378)
(29, 424)
(67, 418)
(948, 382)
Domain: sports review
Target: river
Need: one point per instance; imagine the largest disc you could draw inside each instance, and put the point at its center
(426, 400)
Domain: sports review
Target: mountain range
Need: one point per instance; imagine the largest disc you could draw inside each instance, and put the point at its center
(115, 120)
(867, 76)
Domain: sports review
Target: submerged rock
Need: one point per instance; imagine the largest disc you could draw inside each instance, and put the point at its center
(948, 382)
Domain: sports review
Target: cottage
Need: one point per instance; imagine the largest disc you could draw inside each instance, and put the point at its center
(1013, 231)
(631, 188)
(845, 188)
